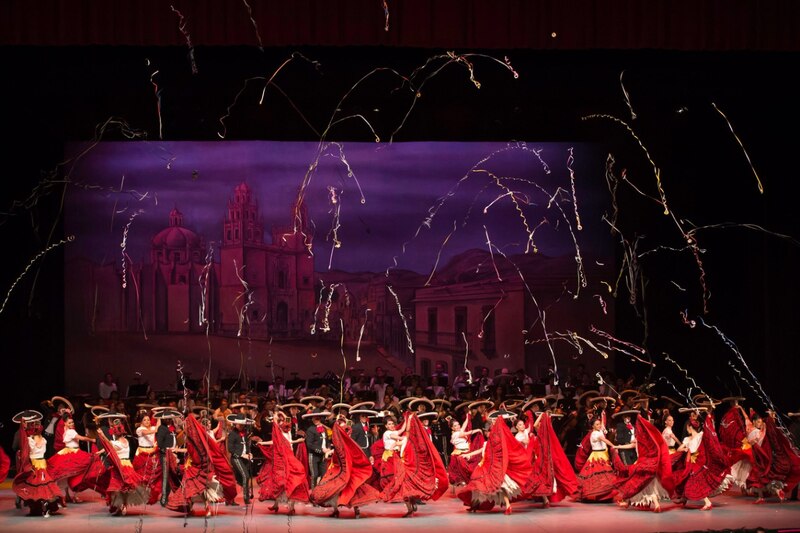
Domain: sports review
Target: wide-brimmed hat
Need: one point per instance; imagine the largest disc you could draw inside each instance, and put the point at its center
(239, 418)
(288, 405)
(362, 405)
(627, 412)
(338, 406)
(428, 414)
(476, 403)
(366, 412)
(670, 400)
(240, 405)
(541, 401)
(404, 401)
(146, 406)
(627, 392)
(462, 405)
(56, 399)
(97, 410)
(607, 399)
(733, 399)
(111, 416)
(164, 414)
(29, 415)
(587, 394)
(441, 401)
(320, 414)
(793, 415)
(502, 413)
(305, 399)
(413, 404)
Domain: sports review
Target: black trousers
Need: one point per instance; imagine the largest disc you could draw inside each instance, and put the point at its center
(165, 484)
(241, 470)
(316, 467)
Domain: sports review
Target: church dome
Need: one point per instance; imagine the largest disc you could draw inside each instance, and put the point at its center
(176, 236)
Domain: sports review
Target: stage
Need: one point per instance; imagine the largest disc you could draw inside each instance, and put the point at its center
(730, 511)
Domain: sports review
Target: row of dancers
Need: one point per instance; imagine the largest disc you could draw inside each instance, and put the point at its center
(181, 460)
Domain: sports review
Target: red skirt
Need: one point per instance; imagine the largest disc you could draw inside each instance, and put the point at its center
(596, 479)
(68, 463)
(36, 484)
(460, 470)
(148, 465)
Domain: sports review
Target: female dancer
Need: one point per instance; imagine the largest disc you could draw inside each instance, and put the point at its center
(282, 477)
(70, 462)
(596, 476)
(346, 481)
(460, 468)
(393, 441)
(125, 486)
(704, 474)
(504, 472)
(207, 476)
(776, 468)
(649, 479)
(553, 477)
(419, 474)
(33, 484)
(147, 462)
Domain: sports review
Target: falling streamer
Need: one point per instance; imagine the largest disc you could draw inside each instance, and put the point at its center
(439, 255)
(157, 93)
(656, 170)
(386, 15)
(403, 318)
(466, 357)
(685, 373)
(570, 160)
(248, 294)
(124, 246)
(335, 210)
(182, 28)
(738, 140)
(361, 334)
(255, 26)
(491, 254)
(30, 264)
(627, 96)
(730, 344)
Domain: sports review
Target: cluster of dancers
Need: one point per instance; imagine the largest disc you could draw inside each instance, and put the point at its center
(352, 456)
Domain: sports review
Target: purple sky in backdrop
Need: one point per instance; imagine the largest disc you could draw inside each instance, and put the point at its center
(400, 183)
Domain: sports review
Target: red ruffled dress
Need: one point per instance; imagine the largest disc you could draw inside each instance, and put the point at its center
(553, 475)
(504, 470)
(346, 480)
(33, 483)
(70, 462)
(596, 476)
(207, 476)
(649, 480)
(147, 463)
(776, 466)
(125, 485)
(459, 471)
(705, 472)
(282, 477)
(419, 474)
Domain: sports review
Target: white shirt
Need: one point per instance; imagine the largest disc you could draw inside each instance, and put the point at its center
(596, 439)
(390, 440)
(145, 440)
(70, 438)
(522, 437)
(122, 447)
(669, 437)
(37, 452)
(459, 441)
(756, 436)
(693, 443)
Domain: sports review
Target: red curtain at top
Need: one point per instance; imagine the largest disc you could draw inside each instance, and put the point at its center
(445, 24)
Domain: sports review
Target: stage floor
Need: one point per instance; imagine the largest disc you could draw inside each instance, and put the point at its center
(731, 511)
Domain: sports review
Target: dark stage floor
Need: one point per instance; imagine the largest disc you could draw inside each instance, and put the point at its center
(730, 511)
